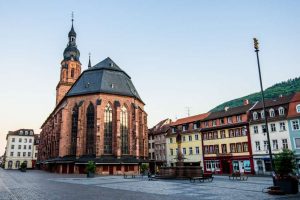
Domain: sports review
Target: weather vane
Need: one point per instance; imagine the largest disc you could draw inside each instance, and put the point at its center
(256, 44)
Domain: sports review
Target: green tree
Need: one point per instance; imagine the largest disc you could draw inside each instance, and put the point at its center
(285, 162)
(144, 167)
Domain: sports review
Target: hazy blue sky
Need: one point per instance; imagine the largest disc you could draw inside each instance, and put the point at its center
(179, 54)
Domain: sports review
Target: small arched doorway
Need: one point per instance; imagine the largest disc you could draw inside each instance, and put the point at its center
(10, 163)
(17, 164)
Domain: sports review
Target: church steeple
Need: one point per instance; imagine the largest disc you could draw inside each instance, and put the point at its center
(72, 33)
(89, 65)
(70, 66)
(71, 52)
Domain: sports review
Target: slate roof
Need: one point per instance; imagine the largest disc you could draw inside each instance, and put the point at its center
(273, 102)
(230, 112)
(105, 77)
(190, 119)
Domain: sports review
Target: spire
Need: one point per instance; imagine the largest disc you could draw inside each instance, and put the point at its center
(72, 18)
(72, 33)
(89, 65)
(71, 51)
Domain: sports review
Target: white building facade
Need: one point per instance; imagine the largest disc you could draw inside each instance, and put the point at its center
(157, 145)
(276, 113)
(19, 149)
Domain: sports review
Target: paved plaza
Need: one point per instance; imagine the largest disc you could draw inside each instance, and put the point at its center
(35, 184)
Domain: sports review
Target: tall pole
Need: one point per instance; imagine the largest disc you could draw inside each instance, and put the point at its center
(264, 106)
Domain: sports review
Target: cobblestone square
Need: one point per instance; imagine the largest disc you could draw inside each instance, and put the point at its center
(35, 184)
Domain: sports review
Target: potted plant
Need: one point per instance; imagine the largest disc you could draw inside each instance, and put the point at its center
(285, 165)
(23, 167)
(144, 168)
(90, 169)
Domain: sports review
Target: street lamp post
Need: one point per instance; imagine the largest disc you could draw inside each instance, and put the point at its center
(256, 47)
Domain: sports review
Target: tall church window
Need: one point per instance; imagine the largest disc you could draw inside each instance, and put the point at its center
(141, 135)
(108, 129)
(90, 130)
(74, 130)
(124, 129)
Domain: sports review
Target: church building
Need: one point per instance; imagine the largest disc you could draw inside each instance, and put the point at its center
(99, 116)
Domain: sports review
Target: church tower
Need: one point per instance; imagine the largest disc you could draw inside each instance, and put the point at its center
(70, 66)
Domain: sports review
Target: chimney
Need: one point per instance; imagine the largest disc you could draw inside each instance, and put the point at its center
(280, 96)
(246, 102)
(226, 108)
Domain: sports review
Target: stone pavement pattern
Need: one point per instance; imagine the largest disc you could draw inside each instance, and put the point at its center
(43, 185)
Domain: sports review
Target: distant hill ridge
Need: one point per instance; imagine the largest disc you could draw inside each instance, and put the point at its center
(284, 88)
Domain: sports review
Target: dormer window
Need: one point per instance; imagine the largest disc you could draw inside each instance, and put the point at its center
(255, 117)
(281, 111)
(222, 121)
(214, 122)
(184, 127)
(173, 129)
(195, 126)
(206, 124)
(298, 108)
(262, 114)
(238, 118)
(229, 120)
(272, 112)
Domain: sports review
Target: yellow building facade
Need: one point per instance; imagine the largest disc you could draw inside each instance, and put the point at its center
(191, 148)
(226, 141)
(191, 141)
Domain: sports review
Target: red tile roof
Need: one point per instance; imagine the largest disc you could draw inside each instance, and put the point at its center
(161, 127)
(292, 107)
(190, 119)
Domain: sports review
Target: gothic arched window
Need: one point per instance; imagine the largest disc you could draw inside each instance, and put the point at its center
(74, 130)
(141, 134)
(108, 129)
(90, 130)
(124, 129)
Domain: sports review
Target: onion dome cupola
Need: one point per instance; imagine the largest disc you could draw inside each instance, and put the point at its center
(71, 52)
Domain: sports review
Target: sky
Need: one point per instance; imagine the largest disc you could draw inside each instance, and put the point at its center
(179, 54)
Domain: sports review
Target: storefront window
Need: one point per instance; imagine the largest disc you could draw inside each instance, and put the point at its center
(247, 166)
(268, 165)
(212, 165)
(235, 165)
